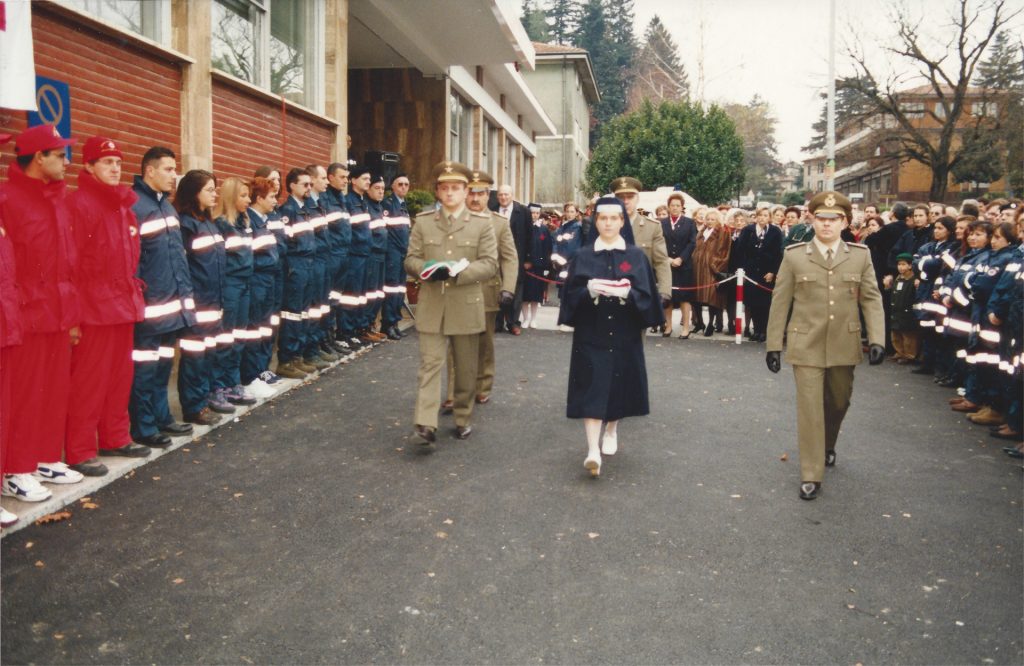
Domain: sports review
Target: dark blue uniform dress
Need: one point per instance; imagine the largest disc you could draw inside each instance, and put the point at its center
(397, 215)
(170, 308)
(237, 293)
(298, 281)
(207, 264)
(375, 264)
(354, 294)
(540, 250)
(757, 256)
(266, 266)
(339, 236)
(680, 242)
(320, 305)
(607, 371)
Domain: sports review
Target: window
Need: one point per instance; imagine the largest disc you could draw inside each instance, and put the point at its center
(462, 129)
(821, 167)
(940, 110)
(984, 109)
(912, 110)
(149, 18)
(273, 44)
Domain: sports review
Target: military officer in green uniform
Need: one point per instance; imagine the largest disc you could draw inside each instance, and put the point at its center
(821, 290)
(451, 301)
(647, 233)
(498, 290)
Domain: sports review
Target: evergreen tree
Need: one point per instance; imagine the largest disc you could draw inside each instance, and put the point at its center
(851, 104)
(605, 30)
(755, 124)
(658, 73)
(535, 21)
(564, 18)
(1002, 74)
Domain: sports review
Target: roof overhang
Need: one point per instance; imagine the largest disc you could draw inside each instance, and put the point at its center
(430, 36)
(583, 67)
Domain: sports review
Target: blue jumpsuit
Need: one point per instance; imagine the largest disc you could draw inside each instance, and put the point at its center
(238, 275)
(375, 264)
(339, 233)
(354, 294)
(298, 281)
(397, 215)
(266, 265)
(320, 306)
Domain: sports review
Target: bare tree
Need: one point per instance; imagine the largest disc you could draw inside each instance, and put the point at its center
(947, 74)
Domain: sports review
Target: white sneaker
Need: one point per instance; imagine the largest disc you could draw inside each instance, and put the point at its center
(533, 324)
(260, 389)
(24, 487)
(594, 465)
(56, 472)
(7, 518)
(610, 444)
(565, 329)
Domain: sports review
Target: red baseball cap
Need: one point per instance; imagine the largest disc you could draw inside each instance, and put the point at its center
(99, 146)
(39, 138)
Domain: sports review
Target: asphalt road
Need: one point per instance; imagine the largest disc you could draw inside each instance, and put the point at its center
(313, 531)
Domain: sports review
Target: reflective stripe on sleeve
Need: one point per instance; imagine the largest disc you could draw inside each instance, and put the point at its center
(166, 352)
(208, 316)
(261, 242)
(291, 316)
(154, 311)
(377, 224)
(275, 320)
(204, 242)
(237, 241)
(193, 346)
(334, 216)
(398, 222)
(145, 355)
(361, 218)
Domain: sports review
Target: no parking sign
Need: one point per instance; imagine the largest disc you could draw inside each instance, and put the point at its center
(53, 99)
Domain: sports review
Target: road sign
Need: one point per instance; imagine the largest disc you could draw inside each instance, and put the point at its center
(53, 99)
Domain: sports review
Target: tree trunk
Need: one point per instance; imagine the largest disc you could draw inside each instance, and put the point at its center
(940, 182)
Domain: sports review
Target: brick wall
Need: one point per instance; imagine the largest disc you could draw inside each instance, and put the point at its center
(249, 130)
(116, 90)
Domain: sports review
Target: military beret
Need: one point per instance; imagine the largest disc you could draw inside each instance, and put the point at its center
(358, 170)
(830, 204)
(626, 184)
(376, 178)
(449, 171)
(480, 181)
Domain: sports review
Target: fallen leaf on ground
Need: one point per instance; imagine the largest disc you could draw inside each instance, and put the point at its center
(85, 499)
(784, 457)
(442, 535)
(449, 521)
(54, 517)
(90, 505)
(178, 581)
(156, 478)
(29, 544)
(237, 495)
(39, 564)
(593, 535)
(736, 496)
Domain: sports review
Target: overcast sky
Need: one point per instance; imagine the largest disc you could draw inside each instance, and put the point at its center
(778, 49)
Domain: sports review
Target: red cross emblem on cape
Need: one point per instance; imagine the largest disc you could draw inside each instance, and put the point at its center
(625, 266)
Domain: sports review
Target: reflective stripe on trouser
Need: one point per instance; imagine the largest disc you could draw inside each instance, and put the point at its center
(147, 407)
(256, 354)
(40, 370)
(197, 367)
(822, 398)
(485, 360)
(338, 285)
(374, 282)
(433, 348)
(235, 299)
(394, 288)
(320, 287)
(329, 321)
(297, 297)
(352, 316)
(101, 383)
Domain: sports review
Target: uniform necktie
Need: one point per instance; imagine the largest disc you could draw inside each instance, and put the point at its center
(828, 257)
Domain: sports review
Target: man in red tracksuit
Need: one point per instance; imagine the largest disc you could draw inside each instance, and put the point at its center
(10, 337)
(39, 225)
(106, 239)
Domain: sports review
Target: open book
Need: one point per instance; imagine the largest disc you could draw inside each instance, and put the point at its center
(454, 267)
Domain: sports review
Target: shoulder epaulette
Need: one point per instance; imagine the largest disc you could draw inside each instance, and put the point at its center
(860, 245)
(485, 216)
(800, 244)
(425, 214)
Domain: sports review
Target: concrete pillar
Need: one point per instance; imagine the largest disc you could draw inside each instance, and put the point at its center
(191, 23)
(336, 74)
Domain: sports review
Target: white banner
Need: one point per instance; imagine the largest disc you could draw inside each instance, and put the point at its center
(17, 59)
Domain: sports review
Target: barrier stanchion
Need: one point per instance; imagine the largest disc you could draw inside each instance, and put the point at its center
(739, 324)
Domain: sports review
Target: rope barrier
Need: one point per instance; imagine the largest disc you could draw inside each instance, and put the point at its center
(702, 286)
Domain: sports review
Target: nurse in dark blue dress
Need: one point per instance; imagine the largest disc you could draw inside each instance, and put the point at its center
(610, 298)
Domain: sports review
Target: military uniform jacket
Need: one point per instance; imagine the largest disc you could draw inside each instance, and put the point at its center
(454, 306)
(508, 265)
(648, 236)
(818, 308)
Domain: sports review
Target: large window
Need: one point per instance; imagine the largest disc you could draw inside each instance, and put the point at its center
(461, 118)
(274, 44)
(149, 18)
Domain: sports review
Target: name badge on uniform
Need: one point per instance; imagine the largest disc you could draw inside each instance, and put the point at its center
(899, 286)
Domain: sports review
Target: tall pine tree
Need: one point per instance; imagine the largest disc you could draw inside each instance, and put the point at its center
(605, 30)
(535, 21)
(1002, 73)
(565, 16)
(658, 73)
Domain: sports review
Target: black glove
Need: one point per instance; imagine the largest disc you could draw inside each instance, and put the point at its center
(774, 361)
(506, 297)
(876, 354)
(666, 303)
(440, 275)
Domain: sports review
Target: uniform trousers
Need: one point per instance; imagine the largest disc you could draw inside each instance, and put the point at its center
(394, 287)
(319, 290)
(822, 398)
(235, 322)
(355, 277)
(485, 360)
(40, 371)
(374, 288)
(508, 315)
(256, 353)
(298, 292)
(197, 368)
(329, 321)
(153, 354)
(433, 350)
(101, 382)
(338, 284)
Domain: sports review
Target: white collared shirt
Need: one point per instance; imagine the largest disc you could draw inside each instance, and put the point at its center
(617, 244)
(823, 248)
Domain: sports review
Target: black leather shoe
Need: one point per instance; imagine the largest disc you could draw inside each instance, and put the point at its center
(393, 333)
(830, 458)
(175, 429)
(463, 432)
(947, 382)
(709, 331)
(809, 490)
(91, 467)
(127, 451)
(922, 370)
(426, 434)
(155, 441)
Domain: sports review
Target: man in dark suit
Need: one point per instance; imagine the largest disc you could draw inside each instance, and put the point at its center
(758, 251)
(520, 222)
(880, 245)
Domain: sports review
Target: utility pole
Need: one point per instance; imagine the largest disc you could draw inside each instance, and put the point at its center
(700, 53)
(830, 132)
